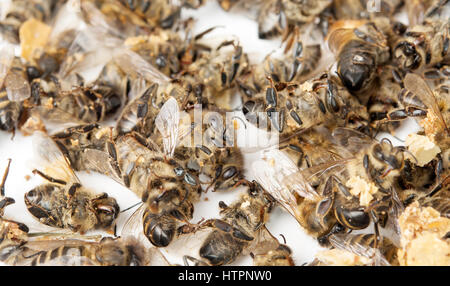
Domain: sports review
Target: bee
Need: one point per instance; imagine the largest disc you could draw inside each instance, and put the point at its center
(108, 251)
(356, 9)
(360, 48)
(13, 234)
(418, 11)
(298, 197)
(363, 246)
(15, 79)
(436, 196)
(385, 99)
(20, 11)
(270, 252)
(166, 189)
(238, 228)
(215, 74)
(163, 13)
(311, 147)
(419, 101)
(159, 49)
(291, 107)
(63, 202)
(82, 104)
(334, 201)
(423, 45)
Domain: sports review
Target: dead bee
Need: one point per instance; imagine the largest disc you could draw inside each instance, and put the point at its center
(418, 11)
(167, 190)
(215, 73)
(423, 45)
(297, 196)
(16, 82)
(160, 49)
(13, 235)
(357, 249)
(385, 99)
(64, 202)
(270, 252)
(291, 107)
(419, 101)
(361, 9)
(20, 11)
(163, 13)
(238, 228)
(436, 196)
(311, 147)
(89, 104)
(360, 47)
(368, 169)
(106, 252)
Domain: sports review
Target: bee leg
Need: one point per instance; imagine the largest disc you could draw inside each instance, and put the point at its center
(375, 220)
(197, 262)
(48, 178)
(344, 190)
(337, 228)
(111, 147)
(5, 176)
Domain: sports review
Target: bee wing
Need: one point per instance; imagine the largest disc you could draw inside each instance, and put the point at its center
(167, 122)
(156, 258)
(343, 242)
(57, 115)
(350, 140)
(134, 65)
(50, 158)
(6, 58)
(274, 176)
(417, 85)
(99, 161)
(263, 242)
(324, 169)
(134, 225)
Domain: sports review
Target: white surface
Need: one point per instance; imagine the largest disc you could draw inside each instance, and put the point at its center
(234, 25)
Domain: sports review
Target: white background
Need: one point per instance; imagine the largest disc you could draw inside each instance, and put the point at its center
(237, 25)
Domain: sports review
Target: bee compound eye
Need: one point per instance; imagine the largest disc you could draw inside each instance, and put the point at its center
(33, 196)
(229, 172)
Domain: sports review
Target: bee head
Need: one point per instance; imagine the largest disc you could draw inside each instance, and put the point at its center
(106, 210)
(227, 177)
(392, 156)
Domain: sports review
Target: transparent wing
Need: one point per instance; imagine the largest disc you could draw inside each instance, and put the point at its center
(134, 225)
(6, 58)
(50, 160)
(133, 64)
(417, 85)
(156, 258)
(274, 174)
(99, 161)
(324, 169)
(57, 115)
(351, 140)
(167, 122)
(263, 242)
(17, 87)
(344, 242)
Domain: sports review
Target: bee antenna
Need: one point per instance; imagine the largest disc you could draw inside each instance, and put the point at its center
(284, 238)
(388, 141)
(131, 207)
